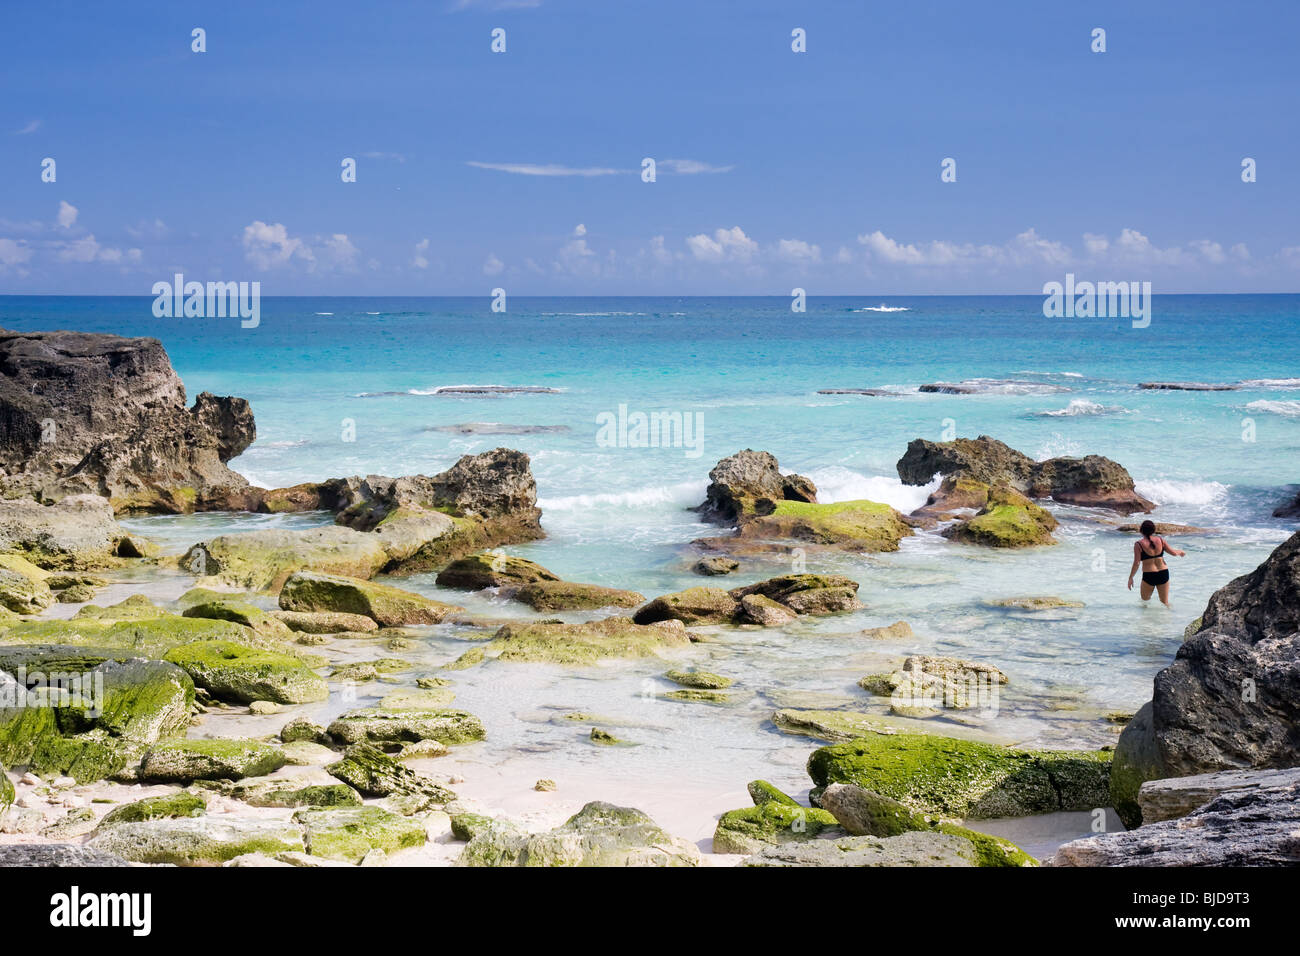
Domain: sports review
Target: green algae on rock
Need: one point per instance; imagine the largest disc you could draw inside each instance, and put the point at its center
(216, 758)
(588, 642)
(750, 829)
(855, 526)
(600, 834)
(171, 806)
(325, 622)
(698, 605)
(761, 792)
(386, 605)
(807, 593)
(944, 775)
(198, 841)
(492, 570)
(241, 612)
(241, 674)
(831, 724)
(1008, 520)
(377, 725)
(704, 680)
(375, 774)
(572, 596)
(695, 695)
(907, 849)
(349, 833)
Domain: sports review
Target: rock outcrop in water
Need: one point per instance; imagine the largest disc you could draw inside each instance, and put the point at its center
(1092, 481)
(748, 476)
(749, 492)
(1231, 698)
(391, 525)
(101, 414)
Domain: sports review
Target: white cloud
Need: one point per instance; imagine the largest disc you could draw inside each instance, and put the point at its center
(67, 214)
(420, 260)
(690, 167)
(88, 249)
(31, 127)
(375, 154)
(724, 245)
(269, 245)
(13, 255)
(494, 4)
(798, 251)
(659, 251)
(549, 169)
(148, 230)
(493, 266)
(337, 252)
(579, 231)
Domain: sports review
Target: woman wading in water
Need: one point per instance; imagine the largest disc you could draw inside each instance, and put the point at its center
(1149, 552)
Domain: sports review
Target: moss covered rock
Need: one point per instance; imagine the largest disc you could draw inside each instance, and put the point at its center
(761, 792)
(375, 774)
(386, 605)
(750, 829)
(830, 724)
(571, 596)
(600, 834)
(146, 637)
(699, 679)
(22, 585)
(1008, 520)
(217, 758)
(171, 806)
(349, 833)
(465, 826)
(241, 612)
(325, 622)
(807, 593)
(377, 725)
(763, 611)
(202, 841)
(233, 672)
(492, 570)
(943, 775)
(865, 813)
(263, 560)
(857, 526)
(700, 605)
(586, 643)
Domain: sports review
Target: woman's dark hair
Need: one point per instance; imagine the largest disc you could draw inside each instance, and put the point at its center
(1148, 528)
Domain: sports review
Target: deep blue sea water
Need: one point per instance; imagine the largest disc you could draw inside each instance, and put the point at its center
(749, 370)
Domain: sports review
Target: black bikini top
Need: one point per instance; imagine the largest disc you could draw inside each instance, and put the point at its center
(1151, 557)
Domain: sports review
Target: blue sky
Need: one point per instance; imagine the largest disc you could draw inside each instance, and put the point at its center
(817, 169)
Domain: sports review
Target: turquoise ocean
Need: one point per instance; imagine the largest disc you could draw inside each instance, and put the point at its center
(749, 372)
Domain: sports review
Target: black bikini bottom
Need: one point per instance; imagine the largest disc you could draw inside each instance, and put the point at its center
(1155, 578)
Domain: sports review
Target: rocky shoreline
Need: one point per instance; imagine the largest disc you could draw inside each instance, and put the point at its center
(124, 702)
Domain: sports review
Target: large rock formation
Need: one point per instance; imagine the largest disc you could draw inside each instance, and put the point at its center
(1231, 698)
(1253, 826)
(83, 412)
(393, 525)
(1093, 481)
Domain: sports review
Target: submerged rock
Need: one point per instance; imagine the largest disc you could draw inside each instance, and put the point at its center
(963, 778)
(326, 622)
(807, 593)
(830, 724)
(122, 429)
(699, 679)
(386, 605)
(1093, 481)
(714, 566)
(600, 834)
(898, 631)
(570, 596)
(586, 643)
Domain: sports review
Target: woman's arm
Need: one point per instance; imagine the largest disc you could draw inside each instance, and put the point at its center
(1170, 549)
(1137, 563)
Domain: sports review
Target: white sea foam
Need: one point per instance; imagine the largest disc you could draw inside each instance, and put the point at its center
(685, 494)
(837, 483)
(1272, 382)
(1081, 406)
(1288, 409)
(1164, 491)
(883, 308)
